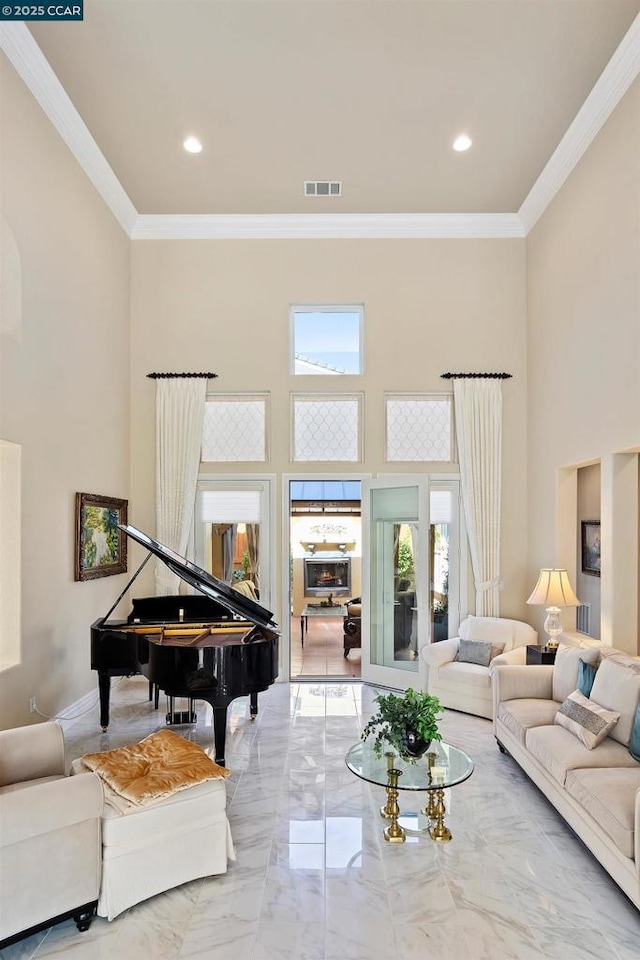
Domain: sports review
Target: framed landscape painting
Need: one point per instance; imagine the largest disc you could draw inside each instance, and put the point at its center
(101, 549)
(591, 547)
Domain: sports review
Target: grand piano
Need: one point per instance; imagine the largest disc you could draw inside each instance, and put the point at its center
(215, 645)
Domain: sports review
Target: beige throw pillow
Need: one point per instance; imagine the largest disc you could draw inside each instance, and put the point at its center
(617, 687)
(565, 668)
(586, 720)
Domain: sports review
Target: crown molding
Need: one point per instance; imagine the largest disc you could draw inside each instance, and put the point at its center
(32, 66)
(608, 91)
(330, 226)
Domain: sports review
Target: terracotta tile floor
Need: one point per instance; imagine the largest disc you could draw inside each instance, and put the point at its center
(323, 651)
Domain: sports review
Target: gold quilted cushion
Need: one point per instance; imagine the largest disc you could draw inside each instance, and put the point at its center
(155, 768)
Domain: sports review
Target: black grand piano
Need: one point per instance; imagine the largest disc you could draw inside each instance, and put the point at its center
(215, 645)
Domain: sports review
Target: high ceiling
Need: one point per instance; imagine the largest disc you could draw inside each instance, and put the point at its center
(368, 92)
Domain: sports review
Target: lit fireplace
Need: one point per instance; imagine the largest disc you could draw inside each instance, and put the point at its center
(323, 576)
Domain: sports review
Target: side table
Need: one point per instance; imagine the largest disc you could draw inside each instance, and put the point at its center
(537, 654)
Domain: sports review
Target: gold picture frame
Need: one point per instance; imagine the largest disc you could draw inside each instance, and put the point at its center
(100, 548)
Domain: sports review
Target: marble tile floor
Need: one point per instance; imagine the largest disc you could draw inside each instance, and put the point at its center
(314, 878)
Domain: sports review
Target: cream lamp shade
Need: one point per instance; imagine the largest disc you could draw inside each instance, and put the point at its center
(553, 591)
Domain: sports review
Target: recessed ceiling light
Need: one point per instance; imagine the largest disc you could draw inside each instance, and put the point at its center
(462, 143)
(192, 145)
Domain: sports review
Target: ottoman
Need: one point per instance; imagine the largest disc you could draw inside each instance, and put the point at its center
(147, 850)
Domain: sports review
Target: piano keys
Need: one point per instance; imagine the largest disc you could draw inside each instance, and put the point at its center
(215, 647)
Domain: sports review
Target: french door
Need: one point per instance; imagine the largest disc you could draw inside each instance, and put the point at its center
(414, 565)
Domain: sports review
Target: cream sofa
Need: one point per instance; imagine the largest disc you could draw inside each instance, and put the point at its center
(467, 686)
(50, 854)
(597, 790)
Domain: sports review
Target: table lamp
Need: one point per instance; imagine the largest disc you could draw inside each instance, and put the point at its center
(553, 591)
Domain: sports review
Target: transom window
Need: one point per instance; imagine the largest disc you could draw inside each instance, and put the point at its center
(326, 428)
(235, 429)
(326, 340)
(419, 427)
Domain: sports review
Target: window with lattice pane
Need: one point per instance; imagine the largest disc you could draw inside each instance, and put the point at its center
(418, 427)
(235, 429)
(326, 428)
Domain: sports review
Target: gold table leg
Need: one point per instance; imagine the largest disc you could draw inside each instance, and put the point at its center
(394, 832)
(385, 811)
(431, 809)
(439, 831)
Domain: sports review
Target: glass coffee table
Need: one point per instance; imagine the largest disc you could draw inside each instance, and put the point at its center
(443, 766)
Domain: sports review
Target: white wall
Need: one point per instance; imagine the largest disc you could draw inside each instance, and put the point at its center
(64, 393)
(430, 306)
(584, 357)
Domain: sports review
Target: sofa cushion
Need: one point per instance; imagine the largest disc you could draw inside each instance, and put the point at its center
(558, 751)
(519, 715)
(488, 629)
(478, 651)
(565, 668)
(609, 797)
(617, 687)
(455, 673)
(586, 719)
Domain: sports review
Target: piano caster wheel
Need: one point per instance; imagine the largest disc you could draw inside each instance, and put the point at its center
(252, 717)
(104, 729)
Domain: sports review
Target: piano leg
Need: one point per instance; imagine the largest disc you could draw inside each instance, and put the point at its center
(104, 688)
(253, 705)
(220, 732)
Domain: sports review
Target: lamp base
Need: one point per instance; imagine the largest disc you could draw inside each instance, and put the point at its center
(553, 627)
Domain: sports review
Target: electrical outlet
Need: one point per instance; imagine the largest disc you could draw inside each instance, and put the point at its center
(32, 705)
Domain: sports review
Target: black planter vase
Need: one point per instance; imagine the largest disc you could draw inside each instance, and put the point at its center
(416, 746)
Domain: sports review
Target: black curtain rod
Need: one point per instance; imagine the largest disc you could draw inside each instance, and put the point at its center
(182, 376)
(476, 376)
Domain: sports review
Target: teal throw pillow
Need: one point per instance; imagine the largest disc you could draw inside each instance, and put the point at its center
(586, 676)
(634, 742)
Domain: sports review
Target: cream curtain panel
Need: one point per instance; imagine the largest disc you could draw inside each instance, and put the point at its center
(179, 416)
(478, 415)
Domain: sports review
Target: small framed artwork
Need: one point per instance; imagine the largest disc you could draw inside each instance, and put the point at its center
(591, 547)
(101, 549)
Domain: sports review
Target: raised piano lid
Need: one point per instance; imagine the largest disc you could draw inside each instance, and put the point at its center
(203, 581)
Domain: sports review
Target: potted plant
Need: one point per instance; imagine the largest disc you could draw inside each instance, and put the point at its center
(406, 723)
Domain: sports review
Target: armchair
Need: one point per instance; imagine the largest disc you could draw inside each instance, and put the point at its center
(466, 686)
(50, 852)
(352, 626)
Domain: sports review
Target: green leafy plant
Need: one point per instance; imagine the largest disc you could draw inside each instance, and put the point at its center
(405, 567)
(399, 716)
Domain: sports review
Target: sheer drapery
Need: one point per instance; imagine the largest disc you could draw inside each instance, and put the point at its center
(179, 415)
(253, 548)
(478, 414)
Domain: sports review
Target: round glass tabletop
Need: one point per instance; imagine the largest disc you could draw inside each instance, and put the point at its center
(442, 766)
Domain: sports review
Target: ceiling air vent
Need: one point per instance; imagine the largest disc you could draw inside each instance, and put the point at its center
(323, 188)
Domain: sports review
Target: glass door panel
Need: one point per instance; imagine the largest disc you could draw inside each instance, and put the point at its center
(395, 575)
(444, 559)
(413, 574)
